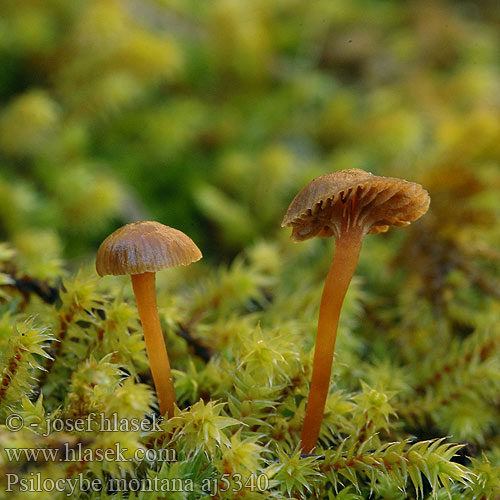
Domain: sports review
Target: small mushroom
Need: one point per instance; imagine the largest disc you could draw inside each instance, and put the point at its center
(348, 205)
(140, 249)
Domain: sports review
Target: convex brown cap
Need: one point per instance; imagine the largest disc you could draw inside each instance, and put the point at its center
(376, 203)
(145, 247)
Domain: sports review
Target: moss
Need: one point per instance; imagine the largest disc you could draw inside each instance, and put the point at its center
(241, 407)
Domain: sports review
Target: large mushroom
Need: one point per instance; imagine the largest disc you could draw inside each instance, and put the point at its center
(141, 249)
(347, 205)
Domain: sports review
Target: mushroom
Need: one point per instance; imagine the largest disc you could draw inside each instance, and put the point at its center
(140, 249)
(348, 205)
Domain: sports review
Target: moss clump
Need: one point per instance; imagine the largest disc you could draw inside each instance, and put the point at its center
(242, 364)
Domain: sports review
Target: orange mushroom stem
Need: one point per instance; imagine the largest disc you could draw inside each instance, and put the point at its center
(345, 260)
(145, 295)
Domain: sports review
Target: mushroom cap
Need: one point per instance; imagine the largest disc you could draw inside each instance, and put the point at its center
(336, 202)
(145, 246)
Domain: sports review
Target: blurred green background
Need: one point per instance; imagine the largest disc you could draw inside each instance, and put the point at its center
(210, 116)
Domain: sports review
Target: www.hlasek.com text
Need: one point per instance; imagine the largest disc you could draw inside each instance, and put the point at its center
(78, 453)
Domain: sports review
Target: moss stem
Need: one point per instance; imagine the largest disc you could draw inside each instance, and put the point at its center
(347, 250)
(145, 295)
